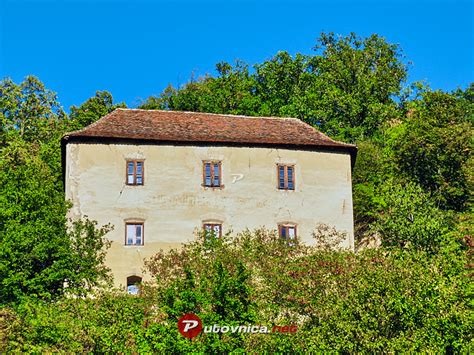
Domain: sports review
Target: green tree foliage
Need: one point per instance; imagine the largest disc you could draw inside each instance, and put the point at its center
(91, 110)
(32, 218)
(41, 254)
(103, 324)
(347, 88)
(38, 254)
(282, 83)
(29, 110)
(219, 291)
(370, 171)
(372, 301)
(433, 147)
(409, 218)
(31, 113)
(229, 92)
(429, 146)
(358, 80)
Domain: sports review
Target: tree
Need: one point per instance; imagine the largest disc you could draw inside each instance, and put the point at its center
(39, 255)
(162, 102)
(281, 83)
(92, 109)
(433, 147)
(347, 89)
(374, 300)
(29, 110)
(370, 171)
(371, 301)
(409, 218)
(413, 173)
(358, 79)
(231, 91)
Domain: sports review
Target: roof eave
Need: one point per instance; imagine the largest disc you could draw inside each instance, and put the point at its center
(349, 148)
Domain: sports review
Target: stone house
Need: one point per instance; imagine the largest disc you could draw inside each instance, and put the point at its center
(159, 175)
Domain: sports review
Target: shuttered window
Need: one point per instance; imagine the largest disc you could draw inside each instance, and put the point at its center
(212, 174)
(286, 177)
(135, 172)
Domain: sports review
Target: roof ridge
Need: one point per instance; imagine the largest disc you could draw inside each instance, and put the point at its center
(212, 113)
(232, 115)
(240, 116)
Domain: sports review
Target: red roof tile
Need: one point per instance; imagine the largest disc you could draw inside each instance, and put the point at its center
(174, 126)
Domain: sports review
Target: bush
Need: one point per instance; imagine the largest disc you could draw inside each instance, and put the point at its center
(385, 300)
(409, 218)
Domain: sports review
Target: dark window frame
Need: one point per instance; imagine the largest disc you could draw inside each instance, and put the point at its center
(286, 227)
(212, 164)
(212, 225)
(134, 161)
(286, 183)
(136, 223)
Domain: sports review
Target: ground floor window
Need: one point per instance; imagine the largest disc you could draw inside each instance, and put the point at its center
(133, 283)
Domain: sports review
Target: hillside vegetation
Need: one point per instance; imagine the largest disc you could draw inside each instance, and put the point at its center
(412, 186)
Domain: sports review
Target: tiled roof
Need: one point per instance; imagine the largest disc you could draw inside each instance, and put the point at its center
(193, 127)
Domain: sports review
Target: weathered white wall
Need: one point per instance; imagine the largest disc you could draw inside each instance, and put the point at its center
(172, 203)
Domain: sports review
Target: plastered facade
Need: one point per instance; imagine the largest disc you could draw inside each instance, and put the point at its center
(172, 203)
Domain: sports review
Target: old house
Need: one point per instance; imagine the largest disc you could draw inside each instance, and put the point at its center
(159, 175)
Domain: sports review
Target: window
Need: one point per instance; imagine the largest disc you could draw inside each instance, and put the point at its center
(133, 285)
(212, 174)
(212, 229)
(287, 231)
(134, 234)
(286, 177)
(135, 172)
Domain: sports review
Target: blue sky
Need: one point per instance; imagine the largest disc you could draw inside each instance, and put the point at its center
(135, 48)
